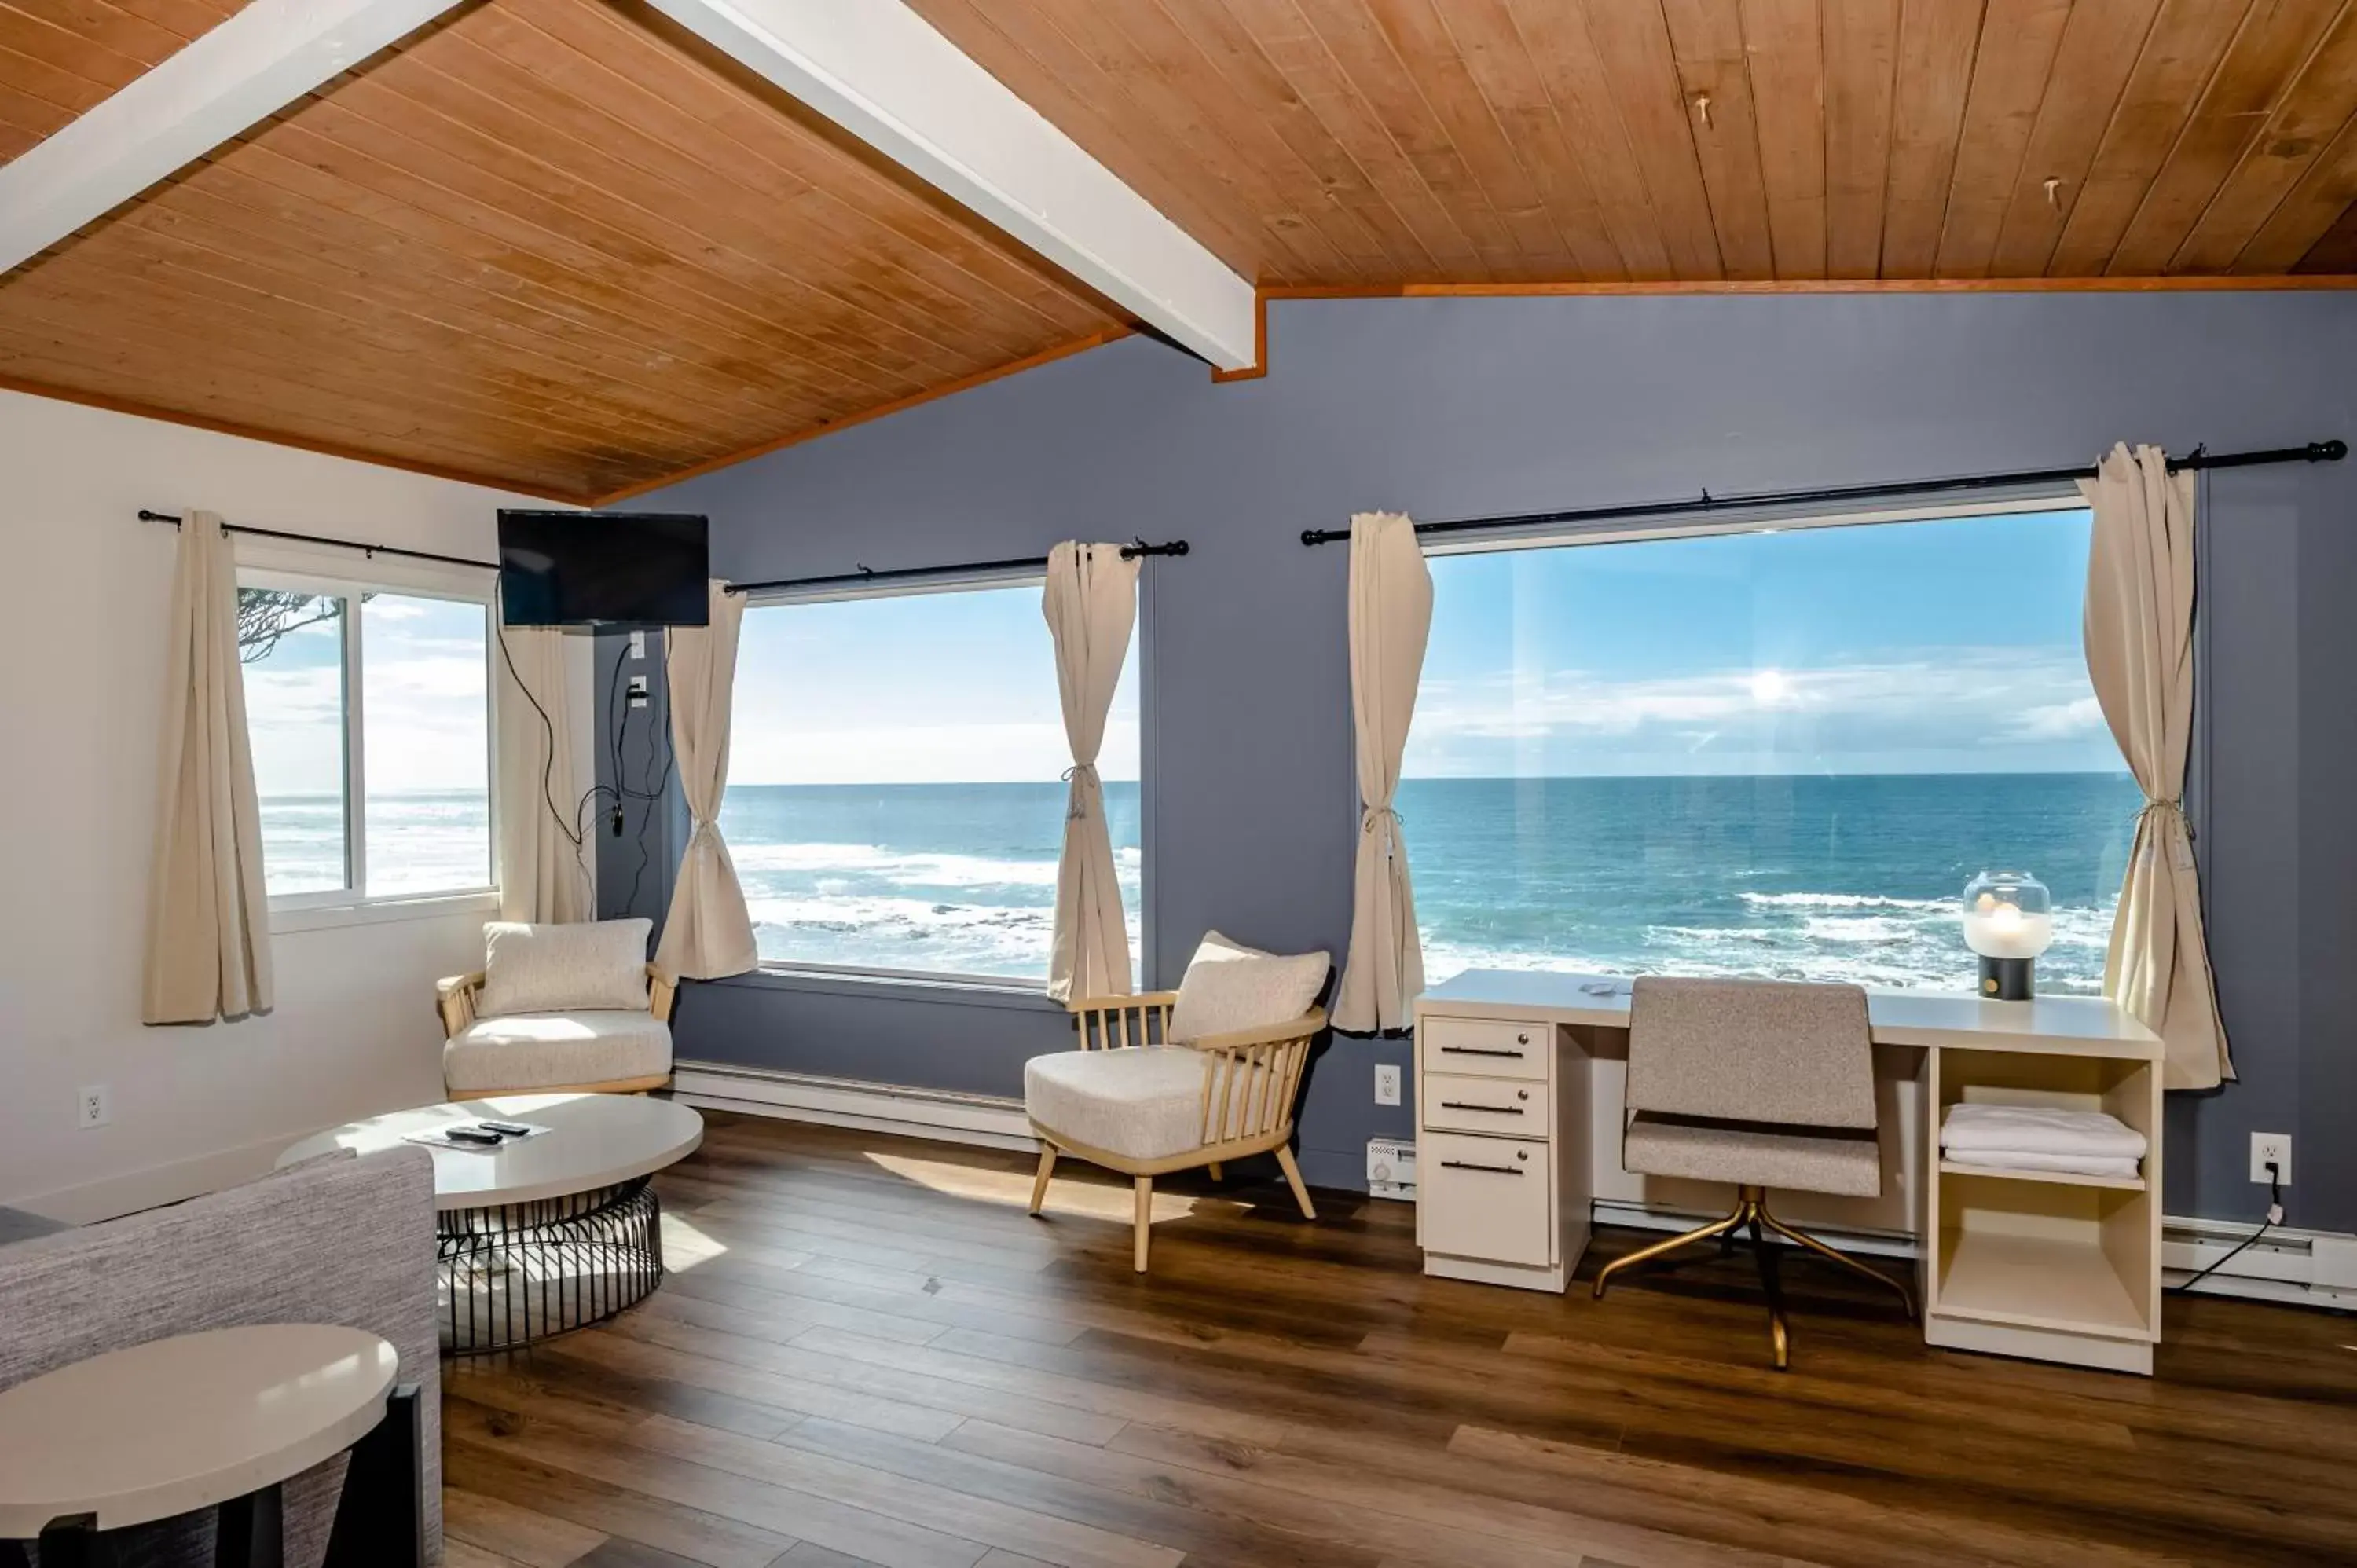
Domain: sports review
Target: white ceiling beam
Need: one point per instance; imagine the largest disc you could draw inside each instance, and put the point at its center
(247, 68)
(883, 73)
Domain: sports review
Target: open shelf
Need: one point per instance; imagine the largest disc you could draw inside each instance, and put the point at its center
(2059, 1178)
(2038, 1281)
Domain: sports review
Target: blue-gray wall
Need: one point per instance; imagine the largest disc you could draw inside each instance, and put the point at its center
(1450, 407)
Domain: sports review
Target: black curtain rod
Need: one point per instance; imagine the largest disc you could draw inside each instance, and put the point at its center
(862, 576)
(146, 516)
(1130, 552)
(2314, 452)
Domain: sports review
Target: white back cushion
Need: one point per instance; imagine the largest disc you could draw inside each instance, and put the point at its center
(564, 968)
(1230, 986)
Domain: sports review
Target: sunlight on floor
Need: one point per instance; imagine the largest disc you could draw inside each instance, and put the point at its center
(684, 1246)
(1096, 1199)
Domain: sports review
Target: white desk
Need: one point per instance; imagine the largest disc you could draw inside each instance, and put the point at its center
(1517, 1105)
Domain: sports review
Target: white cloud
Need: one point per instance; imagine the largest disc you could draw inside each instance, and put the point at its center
(2060, 721)
(1978, 707)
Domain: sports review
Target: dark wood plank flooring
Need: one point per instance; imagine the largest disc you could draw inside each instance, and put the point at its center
(869, 1355)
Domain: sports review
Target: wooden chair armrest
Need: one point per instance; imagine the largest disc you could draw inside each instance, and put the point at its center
(454, 997)
(1129, 1002)
(662, 993)
(1304, 1027)
(1250, 1077)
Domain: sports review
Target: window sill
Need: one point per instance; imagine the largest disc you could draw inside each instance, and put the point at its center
(481, 904)
(944, 990)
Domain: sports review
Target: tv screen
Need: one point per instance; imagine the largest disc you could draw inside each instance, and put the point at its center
(602, 568)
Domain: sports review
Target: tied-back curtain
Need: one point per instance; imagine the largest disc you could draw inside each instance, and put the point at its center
(2140, 657)
(1391, 619)
(708, 933)
(207, 912)
(543, 875)
(1090, 604)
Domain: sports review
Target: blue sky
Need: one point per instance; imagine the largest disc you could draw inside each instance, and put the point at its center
(912, 688)
(424, 702)
(1950, 646)
(1929, 647)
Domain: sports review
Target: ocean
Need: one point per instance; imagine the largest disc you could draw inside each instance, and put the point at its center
(1837, 879)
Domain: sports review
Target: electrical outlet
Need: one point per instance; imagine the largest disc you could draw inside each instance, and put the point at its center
(1387, 1086)
(638, 645)
(2274, 1147)
(94, 1106)
(638, 690)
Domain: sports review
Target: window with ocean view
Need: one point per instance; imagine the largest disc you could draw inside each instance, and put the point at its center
(388, 796)
(895, 796)
(1779, 753)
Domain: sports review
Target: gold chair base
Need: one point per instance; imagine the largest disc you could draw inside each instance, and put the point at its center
(1751, 1216)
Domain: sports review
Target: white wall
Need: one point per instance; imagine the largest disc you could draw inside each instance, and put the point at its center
(82, 602)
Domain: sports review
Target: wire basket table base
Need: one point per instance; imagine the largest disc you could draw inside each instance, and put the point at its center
(514, 1274)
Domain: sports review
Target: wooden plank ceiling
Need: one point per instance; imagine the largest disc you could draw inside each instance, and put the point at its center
(557, 245)
(545, 243)
(1382, 142)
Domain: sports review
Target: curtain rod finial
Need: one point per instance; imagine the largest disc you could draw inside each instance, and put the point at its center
(2328, 451)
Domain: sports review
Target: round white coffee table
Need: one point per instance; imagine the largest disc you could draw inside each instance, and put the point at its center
(218, 1419)
(542, 1234)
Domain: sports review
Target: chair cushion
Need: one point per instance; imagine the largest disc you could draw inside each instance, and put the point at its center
(1756, 1157)
(1229, 986)
(1142, 1103)
(555, 1050)
(554, 969)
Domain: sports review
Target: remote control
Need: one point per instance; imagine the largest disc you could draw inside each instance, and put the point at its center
(473, 1135)
(513, 1129)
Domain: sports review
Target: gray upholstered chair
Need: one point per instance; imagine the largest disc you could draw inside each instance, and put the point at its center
(1761, 1083)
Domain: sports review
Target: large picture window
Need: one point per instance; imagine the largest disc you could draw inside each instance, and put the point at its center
(895, 798)
(1777, 753)
(370, 715)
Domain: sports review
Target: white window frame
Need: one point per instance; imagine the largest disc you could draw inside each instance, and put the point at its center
(1014, 577)
(2057, 500)
(2004, 503)
(345, 573)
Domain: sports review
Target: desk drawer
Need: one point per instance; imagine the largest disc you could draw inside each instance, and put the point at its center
(1486, 1047)
(1512, 1107)
(1491, 1199)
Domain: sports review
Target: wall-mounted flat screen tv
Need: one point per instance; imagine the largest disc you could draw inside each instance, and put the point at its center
(603, 569)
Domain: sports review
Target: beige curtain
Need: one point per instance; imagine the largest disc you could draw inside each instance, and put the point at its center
(1090, 604)
(1391, 617)
(708, 933)
(544, 877)
(208, 914)
(2140, 655)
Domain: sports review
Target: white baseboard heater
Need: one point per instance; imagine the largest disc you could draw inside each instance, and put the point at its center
(2311, 1268)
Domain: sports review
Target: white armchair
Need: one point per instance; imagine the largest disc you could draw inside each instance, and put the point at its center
(1138, 1100)
(558, 1009)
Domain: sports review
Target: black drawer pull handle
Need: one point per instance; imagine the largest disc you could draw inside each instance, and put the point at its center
(1493, 1110)
(1477, 1051)
(1469, 1166)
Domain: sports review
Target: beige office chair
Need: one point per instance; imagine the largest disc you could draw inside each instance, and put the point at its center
(1761, 1083)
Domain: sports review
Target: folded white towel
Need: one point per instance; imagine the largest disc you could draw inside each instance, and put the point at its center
(2038, 1129)
(2067, 1165)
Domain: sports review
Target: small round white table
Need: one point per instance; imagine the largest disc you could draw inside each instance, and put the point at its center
(218, 1419)
(542, 1234)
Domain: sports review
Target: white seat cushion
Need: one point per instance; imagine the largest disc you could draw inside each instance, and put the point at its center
(1142, 1103)
(592, 964)
(1835, 1161)
(1229, 986)
(555, 1050)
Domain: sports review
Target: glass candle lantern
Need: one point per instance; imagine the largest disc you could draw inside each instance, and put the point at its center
(2009, 921)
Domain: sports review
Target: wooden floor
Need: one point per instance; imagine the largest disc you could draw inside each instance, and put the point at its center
(869, 1354)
